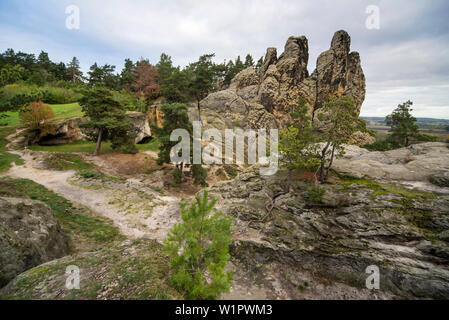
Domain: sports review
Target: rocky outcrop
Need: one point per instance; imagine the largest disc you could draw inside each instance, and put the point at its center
(130, 270)
(56, 133)
(29, 235)
(264, 98)
(141, 125)
(336, 233)
(69, 131)
(418, 162)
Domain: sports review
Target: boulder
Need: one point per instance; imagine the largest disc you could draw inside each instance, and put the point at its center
(418, 162)
(60, 133)
(130, 270)
(29, 235)
(440, 179)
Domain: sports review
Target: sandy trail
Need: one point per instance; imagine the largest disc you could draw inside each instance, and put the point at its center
(141, 223)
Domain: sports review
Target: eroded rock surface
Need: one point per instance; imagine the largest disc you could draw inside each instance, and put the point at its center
(355, 224)
(130, 270)
(418, 162)
(29, 235)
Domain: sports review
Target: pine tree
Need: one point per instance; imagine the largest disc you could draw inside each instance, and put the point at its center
(297, 143)
(175, 117)
(259, 63)
(249, 62)
(126, 76)
(108, 117)
(74, 71)
(202, 78)
(165, 69)
(199, 250)
(403, 124)
(342, 117)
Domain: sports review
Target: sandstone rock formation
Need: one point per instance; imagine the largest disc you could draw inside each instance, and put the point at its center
(58, 133)
(264, 98)
(141, 125)
(355, 224)
(418, 162)
(69, 131)
(130, 270)
(29, 235)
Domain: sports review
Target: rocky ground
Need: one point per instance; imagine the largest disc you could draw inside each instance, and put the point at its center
(310, 243)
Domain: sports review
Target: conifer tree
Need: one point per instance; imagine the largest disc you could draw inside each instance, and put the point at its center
(199, 250)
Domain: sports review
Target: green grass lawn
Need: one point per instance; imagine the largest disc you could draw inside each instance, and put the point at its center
(89, 147)
(61, 111)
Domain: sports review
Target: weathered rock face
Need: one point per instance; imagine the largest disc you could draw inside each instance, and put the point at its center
(102, 275)
(279, 82)
(29, 235)
(335, 237)
(141, 125)
(56, 133)
(418, 162)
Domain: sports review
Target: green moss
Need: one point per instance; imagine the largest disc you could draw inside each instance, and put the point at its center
(384, 188)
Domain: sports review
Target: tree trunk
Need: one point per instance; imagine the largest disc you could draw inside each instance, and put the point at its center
(323, 160)
(100, 136)
(330, 163)
(199, 109)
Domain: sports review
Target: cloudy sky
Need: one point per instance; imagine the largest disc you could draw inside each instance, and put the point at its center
(406, 58)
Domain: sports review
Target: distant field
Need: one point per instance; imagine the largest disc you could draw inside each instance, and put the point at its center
(382, 132)
(89, 147)
(61, 111)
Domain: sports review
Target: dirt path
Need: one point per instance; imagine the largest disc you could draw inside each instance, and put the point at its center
(156, 215)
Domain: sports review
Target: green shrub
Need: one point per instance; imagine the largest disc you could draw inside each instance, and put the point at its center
(382, 145)
(199, 175)
(199, 250)
(89, 173)
(177, 177)
(315, 194)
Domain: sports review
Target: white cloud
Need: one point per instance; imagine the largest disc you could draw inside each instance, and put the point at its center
(405, 59)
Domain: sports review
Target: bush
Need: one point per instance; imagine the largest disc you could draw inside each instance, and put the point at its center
(177, 177)
(199, 250)
(199, 175)
(36, 115)
(315, 194)
(384, 145)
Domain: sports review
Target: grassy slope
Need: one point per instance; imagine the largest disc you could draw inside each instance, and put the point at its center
(61, 111)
